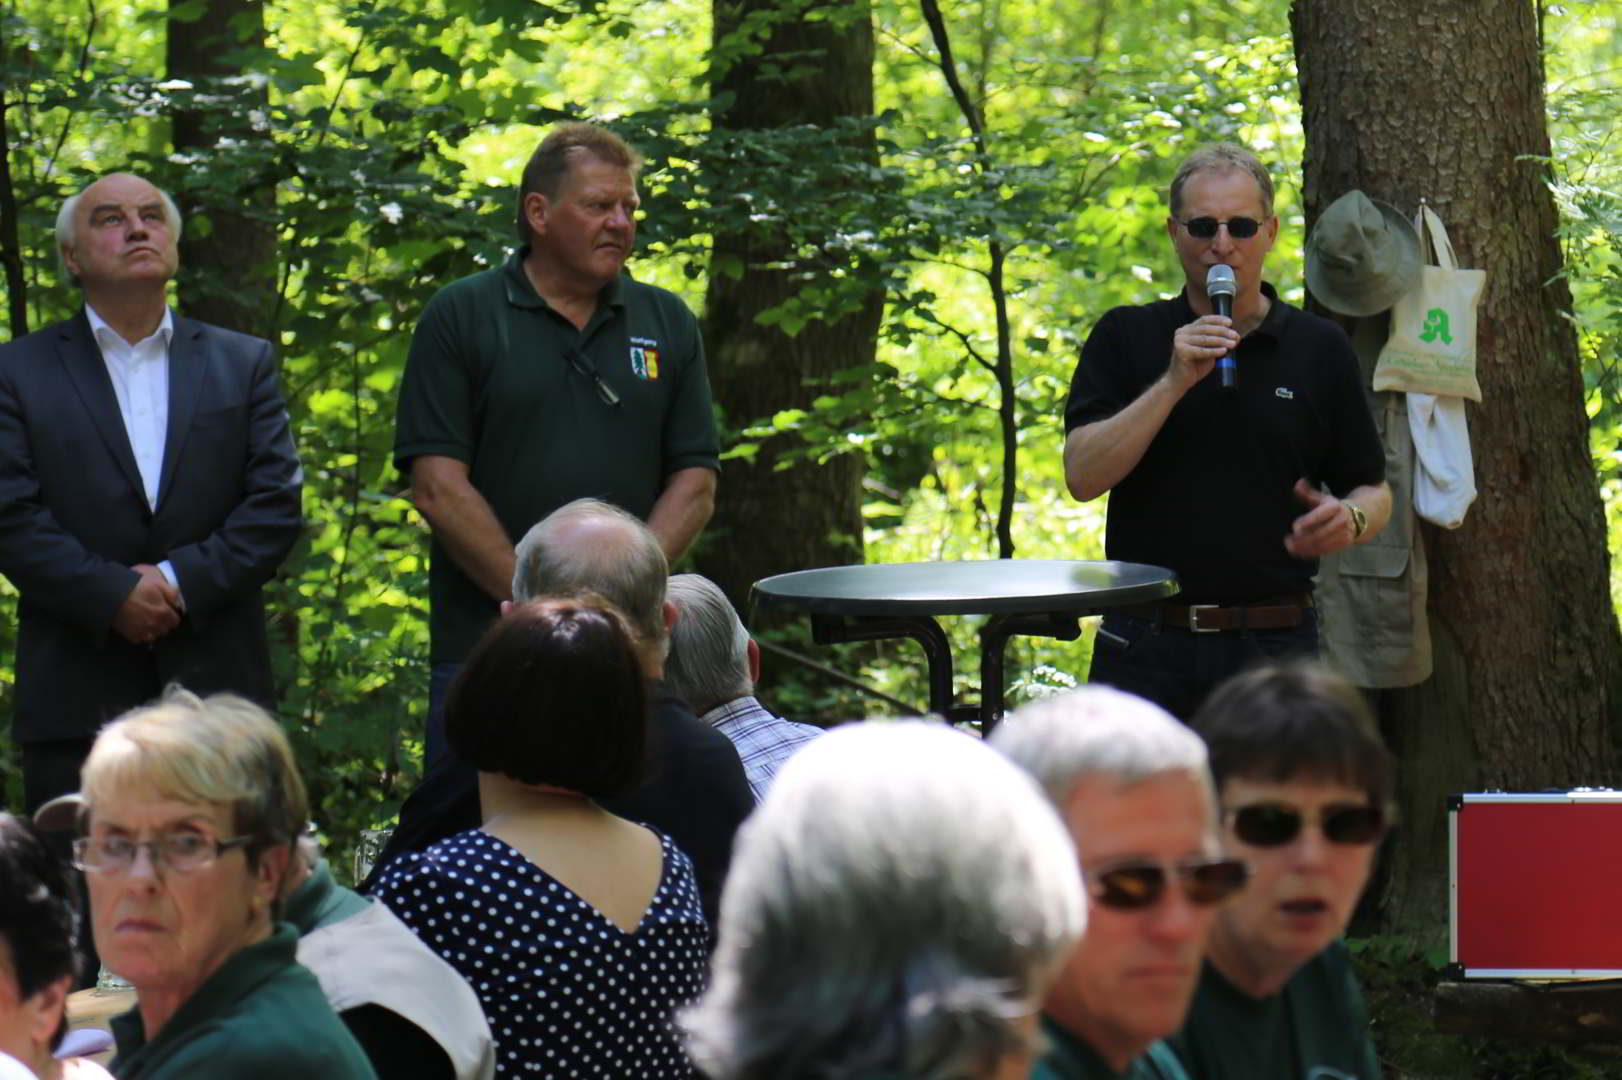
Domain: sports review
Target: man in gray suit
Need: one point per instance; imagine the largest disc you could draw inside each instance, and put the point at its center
(148, 489)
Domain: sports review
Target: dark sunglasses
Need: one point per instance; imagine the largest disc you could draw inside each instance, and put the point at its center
(1205, 228)
(1133, 886)
(1276, 824)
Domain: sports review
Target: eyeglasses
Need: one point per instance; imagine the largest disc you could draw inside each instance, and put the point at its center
(182, 852)
(583, 365)
(1133, 886)
(1276, 824)
(1205, 228)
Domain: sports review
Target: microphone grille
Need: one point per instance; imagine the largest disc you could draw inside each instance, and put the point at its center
(1219, 281)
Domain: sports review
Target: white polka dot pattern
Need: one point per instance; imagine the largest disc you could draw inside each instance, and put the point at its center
(567, 993)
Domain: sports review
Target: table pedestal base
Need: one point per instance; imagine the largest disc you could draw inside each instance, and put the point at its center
(838, 629)
(994, 635)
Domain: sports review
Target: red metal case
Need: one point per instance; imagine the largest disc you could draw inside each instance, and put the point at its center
(1535, 884)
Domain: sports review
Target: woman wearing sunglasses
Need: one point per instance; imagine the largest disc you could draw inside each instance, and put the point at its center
(1304, 784)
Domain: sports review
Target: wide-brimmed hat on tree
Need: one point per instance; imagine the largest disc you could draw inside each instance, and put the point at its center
(1362, 255)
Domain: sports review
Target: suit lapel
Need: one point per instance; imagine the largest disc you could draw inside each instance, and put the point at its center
(81, 359)
(187, 366)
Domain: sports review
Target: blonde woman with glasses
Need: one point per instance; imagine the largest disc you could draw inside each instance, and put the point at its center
(190, 809)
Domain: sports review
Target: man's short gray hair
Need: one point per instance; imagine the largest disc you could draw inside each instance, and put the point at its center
(65, 236)
(630, 574)
(899, 898)
(1221, 157)
(708, 663)
(1098, 730)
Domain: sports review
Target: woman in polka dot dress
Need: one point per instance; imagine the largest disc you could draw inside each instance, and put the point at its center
(580, 931)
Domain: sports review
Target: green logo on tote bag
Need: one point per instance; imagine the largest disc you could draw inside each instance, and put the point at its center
(1436, 327)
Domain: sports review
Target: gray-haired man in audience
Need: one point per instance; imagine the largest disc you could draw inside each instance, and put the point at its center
(1133, 786)
(714, 665)
(696, 791)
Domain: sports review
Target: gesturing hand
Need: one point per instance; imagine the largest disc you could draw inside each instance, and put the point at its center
(151, 610)
(1325, 528)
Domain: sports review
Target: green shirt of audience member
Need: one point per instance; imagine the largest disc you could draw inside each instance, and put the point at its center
(1068, 1058)
(237, 1024)
(1315, 1027)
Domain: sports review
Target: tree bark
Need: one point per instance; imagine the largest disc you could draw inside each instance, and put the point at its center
(11, 256)
(228, 245)
(814, 65)
(1443, 100)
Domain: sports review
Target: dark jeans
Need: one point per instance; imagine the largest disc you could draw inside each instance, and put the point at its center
(51, 769)
(434, 746)
(1176, 669)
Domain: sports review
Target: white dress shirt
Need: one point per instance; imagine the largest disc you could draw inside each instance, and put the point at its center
(140, 376)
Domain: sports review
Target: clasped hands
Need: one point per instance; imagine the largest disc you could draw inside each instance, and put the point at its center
(1325, 528)
(151, 610)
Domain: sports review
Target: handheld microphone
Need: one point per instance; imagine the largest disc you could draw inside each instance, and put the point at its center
(1221, 287)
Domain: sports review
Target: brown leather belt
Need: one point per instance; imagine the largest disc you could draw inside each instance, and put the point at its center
(1276, 613)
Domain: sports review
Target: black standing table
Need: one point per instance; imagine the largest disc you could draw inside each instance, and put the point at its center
(1042, 597)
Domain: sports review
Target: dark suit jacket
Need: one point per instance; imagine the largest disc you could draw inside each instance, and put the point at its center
(74, 519)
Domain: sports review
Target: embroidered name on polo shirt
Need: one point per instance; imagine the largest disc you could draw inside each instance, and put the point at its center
(1284, 392)
(645, 358)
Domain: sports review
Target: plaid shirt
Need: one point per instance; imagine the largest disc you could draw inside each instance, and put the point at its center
(764, 741)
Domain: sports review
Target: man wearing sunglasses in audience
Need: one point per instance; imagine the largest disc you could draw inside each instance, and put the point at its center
(1305, 786)
(1238, 489)
(1131, 784)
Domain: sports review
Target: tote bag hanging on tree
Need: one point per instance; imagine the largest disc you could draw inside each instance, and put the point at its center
(1432, 349)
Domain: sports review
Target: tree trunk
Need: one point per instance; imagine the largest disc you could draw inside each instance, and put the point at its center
(228, 244)
(1443, 100)
(11, 254)
(770, 519)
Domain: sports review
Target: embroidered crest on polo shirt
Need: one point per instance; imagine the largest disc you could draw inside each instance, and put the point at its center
(644, 358)
(1284, 392)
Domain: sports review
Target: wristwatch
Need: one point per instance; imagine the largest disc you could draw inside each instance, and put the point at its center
(1360, 520)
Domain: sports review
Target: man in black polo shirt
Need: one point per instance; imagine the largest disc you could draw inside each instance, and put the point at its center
(552, 377)
(1227, 487)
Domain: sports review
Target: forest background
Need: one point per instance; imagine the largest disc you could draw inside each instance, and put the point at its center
(898, 223)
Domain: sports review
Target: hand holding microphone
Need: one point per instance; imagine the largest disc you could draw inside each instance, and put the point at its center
(1221, 287)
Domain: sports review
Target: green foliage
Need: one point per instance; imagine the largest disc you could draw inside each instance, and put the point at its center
(1583, 47)
(367, 109)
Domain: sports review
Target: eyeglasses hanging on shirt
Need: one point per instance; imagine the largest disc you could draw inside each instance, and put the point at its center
(582, 364)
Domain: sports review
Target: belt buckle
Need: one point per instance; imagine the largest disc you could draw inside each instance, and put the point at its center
(1194, 618)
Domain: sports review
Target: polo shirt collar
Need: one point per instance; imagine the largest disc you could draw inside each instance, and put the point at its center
(1078, 1056)
(241, 974)
(1278, 312)
(520, 293)
(321, 901)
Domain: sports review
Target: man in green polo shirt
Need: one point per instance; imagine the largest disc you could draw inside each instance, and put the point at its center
(1132, 786)
(550, 378)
